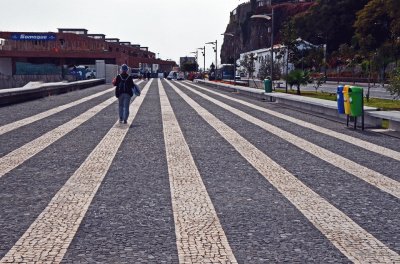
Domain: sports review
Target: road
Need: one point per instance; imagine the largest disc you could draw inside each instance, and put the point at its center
(376, 91)
(196, 176)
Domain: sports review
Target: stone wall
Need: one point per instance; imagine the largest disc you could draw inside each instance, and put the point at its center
(21, 80)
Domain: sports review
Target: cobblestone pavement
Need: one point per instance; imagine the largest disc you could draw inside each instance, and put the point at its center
(196, 176)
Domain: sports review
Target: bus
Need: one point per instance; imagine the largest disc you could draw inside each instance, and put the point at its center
(225, 71)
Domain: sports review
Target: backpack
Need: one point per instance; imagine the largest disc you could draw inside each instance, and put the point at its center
(122, 87)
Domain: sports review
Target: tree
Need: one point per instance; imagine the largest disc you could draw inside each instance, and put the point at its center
(378, 23)
(265, 70)
(290, 40)
(329, 21)
(377, 31)
(248, 63)
(189, 67)
(318, 80)
(298, 78)
(314, 58)
(394, 85)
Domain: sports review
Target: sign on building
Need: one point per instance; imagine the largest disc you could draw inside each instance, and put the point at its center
(33, 36)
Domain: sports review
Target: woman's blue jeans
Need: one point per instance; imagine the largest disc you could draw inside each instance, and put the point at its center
(124, 100)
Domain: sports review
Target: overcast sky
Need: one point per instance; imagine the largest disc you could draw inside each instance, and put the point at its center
(172, 28)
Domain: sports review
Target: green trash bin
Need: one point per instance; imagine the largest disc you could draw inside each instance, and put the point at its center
(356, 101)
(268, 86)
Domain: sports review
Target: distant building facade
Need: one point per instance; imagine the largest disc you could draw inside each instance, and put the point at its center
(50, 52)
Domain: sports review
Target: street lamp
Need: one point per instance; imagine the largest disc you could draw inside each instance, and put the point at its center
(269, 17)
(234, 55)
(197, 55)
(325, 38)
(204, 56)
(216, 56)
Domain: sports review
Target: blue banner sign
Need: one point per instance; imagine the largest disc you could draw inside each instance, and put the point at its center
(30, 36)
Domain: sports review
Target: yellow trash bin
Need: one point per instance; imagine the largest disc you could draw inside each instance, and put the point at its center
(346, 90)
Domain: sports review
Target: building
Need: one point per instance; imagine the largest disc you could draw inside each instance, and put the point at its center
(263, 56)
(52, 53)
(183, 60)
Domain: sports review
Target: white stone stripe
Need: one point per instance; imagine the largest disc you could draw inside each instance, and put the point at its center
(349, 139)
(353, 241)
(49, 236)
(374, 178)
(200, 237)
(23, 122)
(22, 154)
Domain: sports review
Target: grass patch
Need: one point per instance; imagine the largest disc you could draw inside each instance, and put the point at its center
(384, 104)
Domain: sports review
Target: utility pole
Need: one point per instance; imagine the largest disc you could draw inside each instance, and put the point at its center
(269, 17)
(216, 56)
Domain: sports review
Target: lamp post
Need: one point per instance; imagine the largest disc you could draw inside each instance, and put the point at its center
(269, 17)
(196, 56)
(325, 38)
(234, 56)
(216, 55)
(204, 56)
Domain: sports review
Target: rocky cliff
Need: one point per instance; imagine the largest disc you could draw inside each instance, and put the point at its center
(251, 34)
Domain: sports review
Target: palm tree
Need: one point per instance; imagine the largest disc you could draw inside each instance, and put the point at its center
(298, 77)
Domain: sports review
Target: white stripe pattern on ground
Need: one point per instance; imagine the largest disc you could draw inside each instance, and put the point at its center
(23, 122)
(352, 240)
(22, 154)
(26, 121)
(372, 177)
(349, 139)
(200, 237)
(49, 236)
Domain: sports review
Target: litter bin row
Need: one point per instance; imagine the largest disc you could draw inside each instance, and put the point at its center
(350, 100)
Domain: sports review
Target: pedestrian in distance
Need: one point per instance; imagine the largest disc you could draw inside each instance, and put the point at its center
(123, 91)
(148, 75)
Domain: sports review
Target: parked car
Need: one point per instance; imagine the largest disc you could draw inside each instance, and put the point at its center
(90, 74)
(135, 73)
(173, 75)
(181, 76)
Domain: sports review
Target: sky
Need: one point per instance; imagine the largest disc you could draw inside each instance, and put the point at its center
(170, 28)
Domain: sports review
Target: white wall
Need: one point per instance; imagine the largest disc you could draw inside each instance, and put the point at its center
(111, 71)
(100, 69)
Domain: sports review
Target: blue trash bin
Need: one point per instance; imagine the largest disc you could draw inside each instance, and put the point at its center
(340, 99)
